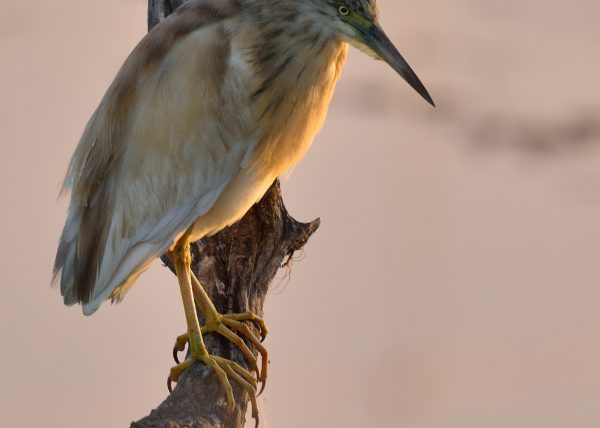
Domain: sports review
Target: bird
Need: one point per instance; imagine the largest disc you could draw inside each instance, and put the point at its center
(212, 105)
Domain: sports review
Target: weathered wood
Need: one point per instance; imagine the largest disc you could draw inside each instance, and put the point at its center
(236, 267)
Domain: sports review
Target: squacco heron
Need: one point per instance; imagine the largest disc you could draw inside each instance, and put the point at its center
(211, 106)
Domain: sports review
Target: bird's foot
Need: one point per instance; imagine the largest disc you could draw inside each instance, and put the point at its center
(225, 370)
(225, 325)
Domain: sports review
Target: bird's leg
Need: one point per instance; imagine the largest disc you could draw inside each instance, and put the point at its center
(223, 368)
(225, 325)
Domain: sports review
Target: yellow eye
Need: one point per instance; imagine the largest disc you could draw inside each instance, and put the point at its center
(343, 10)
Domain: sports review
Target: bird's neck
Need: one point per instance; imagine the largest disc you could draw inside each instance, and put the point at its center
(292, 49)
(295, 62)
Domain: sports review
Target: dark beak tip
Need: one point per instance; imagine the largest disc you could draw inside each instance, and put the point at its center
(380, 43)
(424, 93)
(430, 101)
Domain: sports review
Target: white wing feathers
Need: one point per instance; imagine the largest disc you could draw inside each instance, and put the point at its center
(173, 148)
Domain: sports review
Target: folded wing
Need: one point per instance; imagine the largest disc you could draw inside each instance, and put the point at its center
(155, 156)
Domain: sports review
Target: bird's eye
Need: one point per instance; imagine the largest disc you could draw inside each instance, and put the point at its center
(343, 10)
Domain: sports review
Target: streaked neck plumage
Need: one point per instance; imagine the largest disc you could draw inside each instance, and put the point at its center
(292, 50)
(296, 60)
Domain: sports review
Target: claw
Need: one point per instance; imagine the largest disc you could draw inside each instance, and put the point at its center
(180, 344)
(176, 372)
(255, 319)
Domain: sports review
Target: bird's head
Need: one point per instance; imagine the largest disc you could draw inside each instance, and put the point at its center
(356, 22)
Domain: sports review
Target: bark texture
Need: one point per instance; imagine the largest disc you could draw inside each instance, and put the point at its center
(236, 267)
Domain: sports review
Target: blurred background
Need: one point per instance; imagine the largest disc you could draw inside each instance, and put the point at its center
(454, 280)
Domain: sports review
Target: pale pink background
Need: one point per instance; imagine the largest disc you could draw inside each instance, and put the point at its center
(454, 281)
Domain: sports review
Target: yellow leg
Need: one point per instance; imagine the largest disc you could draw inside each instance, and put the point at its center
(224, 324)
(223, 368)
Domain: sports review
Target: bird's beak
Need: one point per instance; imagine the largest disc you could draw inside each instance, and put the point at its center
(376, 40)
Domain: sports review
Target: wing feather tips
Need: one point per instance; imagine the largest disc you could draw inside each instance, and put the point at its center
(90, 245)
(63, 271)
(79, 252)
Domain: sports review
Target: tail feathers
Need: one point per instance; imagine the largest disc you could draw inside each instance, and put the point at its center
(112, 278)
(63, 269)
(111, 282)
(92, 266)
(80, 251)
(65, 259)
